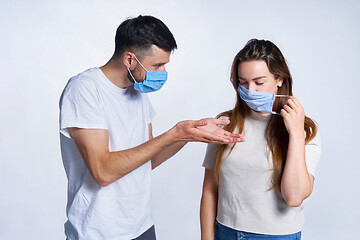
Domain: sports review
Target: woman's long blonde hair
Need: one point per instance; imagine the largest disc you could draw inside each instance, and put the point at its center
(276, 134)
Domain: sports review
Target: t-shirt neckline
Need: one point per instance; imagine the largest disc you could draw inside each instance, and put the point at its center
(260, 116)
(110, 84)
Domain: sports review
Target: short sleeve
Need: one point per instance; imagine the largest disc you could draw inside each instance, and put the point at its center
(80, 107)
(312, 153)
(211, 150)
(150, 110)
(210, 156)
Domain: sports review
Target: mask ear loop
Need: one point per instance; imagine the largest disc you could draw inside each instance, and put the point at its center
(132, 75)
(139, 62)
(140, 65)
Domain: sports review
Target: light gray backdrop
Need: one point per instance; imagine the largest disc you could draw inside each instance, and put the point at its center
(44, 43)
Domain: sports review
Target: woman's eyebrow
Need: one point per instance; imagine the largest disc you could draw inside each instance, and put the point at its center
(257, 78)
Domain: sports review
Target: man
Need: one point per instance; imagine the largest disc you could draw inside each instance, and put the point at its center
(107, 145)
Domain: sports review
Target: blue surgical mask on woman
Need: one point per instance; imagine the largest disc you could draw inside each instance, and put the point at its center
(153, 81)
(258, 101)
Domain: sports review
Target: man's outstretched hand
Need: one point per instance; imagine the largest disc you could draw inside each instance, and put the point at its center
(205, 130)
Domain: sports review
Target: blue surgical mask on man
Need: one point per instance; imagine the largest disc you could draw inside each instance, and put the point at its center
(153, 81)
(259, 101)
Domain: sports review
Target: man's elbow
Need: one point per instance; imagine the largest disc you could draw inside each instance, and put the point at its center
(103, 173)
(103, 182)
(103, 178)
(100, 171)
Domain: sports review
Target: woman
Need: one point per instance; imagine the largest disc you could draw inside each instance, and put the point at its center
(255, 189)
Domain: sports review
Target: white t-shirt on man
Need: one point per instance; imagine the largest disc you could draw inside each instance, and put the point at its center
(122, 209)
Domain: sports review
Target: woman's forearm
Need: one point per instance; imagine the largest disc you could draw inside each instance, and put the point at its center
(296, 182)
(208, 207)
(207, 216)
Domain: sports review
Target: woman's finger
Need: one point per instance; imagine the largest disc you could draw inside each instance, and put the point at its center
(287, 108)
(283, 113)
(296, 101)
(292, 104)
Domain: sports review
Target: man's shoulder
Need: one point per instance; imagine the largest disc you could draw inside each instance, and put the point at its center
(82, 84)
(85, 77)
(83, 80)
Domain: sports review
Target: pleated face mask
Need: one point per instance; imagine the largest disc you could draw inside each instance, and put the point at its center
(258, 101)
(153, 81)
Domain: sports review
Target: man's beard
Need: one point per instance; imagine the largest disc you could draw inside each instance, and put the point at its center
(133, 76)
(130, 78)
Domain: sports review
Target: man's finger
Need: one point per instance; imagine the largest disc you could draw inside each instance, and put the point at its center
(220, 138)
(220, 121)
(236, 136)
(210, 136)
(200, 123)
(229, 134)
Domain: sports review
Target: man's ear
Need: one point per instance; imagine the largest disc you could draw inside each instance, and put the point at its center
(128, 60)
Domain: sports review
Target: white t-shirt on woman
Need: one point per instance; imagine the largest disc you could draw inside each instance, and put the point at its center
(244, 202)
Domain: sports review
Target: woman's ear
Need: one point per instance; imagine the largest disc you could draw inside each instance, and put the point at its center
(280, 82)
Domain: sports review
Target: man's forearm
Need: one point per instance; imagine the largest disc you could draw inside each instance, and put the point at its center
(167, 153)
(115, 165)
(107, 167)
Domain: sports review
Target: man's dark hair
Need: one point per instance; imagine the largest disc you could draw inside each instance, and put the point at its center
(140, 33)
